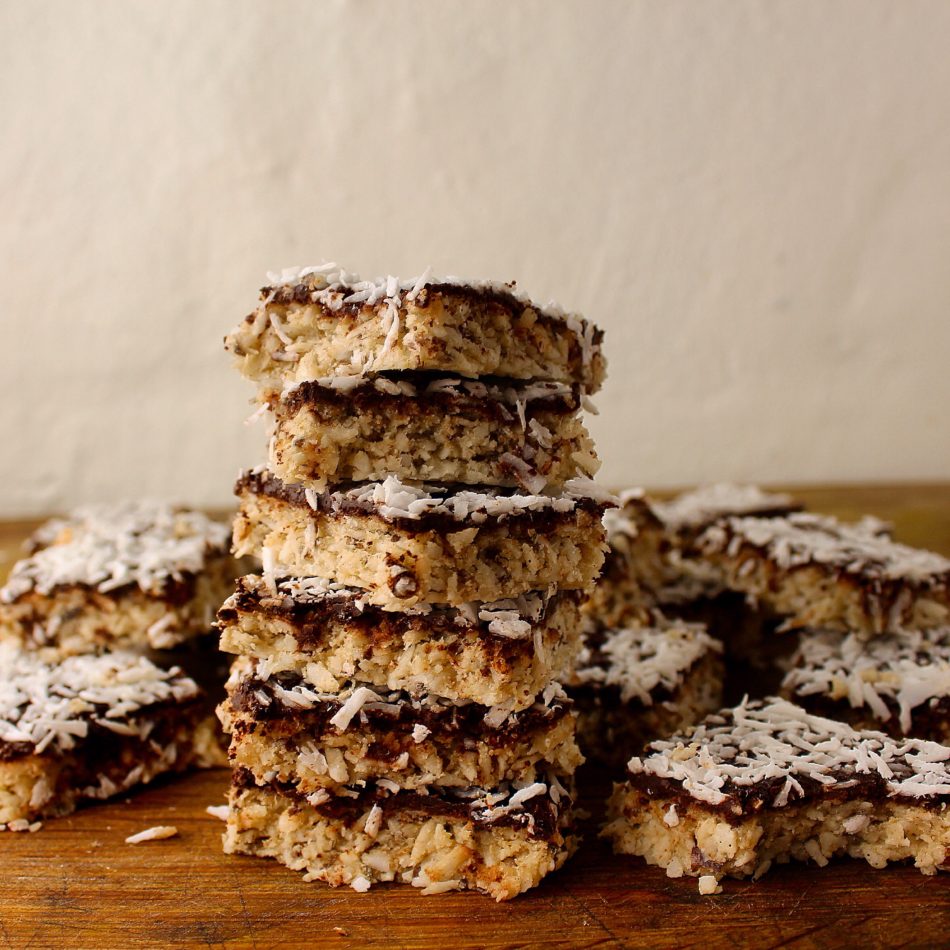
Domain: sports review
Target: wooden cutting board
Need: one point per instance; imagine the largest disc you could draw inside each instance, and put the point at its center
(76, 883)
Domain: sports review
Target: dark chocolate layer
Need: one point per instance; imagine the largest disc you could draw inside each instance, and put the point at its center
(445, 721)
(337, 503)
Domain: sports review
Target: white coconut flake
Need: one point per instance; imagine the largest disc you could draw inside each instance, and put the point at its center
(709, 885)
(420, 732)
(352, 706)
(218, 811)
(158, 833)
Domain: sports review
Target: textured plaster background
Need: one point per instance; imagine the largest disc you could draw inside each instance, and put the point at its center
(752, 198)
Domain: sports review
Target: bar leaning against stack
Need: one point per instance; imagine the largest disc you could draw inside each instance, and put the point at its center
(428, 530)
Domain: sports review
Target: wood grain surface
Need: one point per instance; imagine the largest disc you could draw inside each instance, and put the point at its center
(76, 883)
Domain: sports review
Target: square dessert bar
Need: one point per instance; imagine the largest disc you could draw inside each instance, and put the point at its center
(318, 322)
(282, 727)
(643, 682)
(89, 727)
(897, 682)
(634, 568)
(688, 514)
(133, 575)
(488, 653)
(406, 545)
(767, 782)
(817, 571)
(500, 841)
(430, 427)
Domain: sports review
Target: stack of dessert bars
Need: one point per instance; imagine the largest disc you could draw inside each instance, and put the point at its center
(98, 624)
(428, 530)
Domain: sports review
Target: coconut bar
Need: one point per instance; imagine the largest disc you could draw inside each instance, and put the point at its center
(898, 682)
(684, 518)
(817, 571)
(501, 841)
(688, 514)
(634, 568)
(766, 783)
(641, 683)
(133, 575)
(89, 727)
(284, 728)
(427, 427)
(506, 651)
(318, 322)
(406, 545)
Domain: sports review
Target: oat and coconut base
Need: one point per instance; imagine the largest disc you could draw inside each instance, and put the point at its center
(319, 322)
(641, 683)
(406, 545)
(897, 682)
(326, 633)
(500, 841)
(430, 428)
(817, 571)
(89, 727)
(133, 575)
(767, 783)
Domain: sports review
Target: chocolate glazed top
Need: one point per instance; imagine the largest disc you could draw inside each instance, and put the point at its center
(444, 721)
(311, 618)
(539, 815)
(746, 801)
(102, 743)
(336, 503)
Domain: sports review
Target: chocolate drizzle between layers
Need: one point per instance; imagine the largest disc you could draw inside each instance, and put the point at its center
(444, 720)
(311, 618)
(336, 504)
(540, 817)
(366, 397)
(746, 801)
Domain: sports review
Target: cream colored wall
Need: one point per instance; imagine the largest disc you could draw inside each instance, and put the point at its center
(752, 198)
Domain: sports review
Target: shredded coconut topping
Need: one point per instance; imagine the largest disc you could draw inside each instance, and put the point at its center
(640, 661)
(775, 749)
(513, 618)
(513, 395)
(54, 704)
(352, 700)
(698, 508)
(859, 548)
(331, 286)
(112, 546)
(904, 670)
(394, 499)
